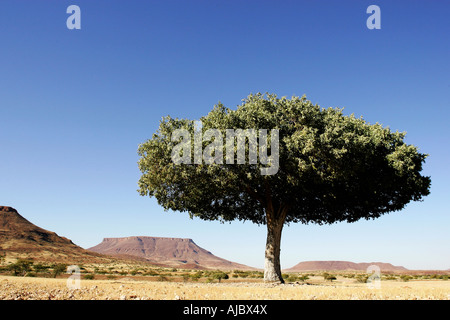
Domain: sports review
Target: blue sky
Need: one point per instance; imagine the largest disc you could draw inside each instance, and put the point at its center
(75, 105)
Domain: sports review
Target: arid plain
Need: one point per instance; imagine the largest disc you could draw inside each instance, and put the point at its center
(135, 288)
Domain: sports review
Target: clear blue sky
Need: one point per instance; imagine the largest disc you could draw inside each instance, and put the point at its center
(75, 105)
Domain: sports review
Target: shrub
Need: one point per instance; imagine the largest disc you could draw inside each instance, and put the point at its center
(303, 278)
(196, 276)
(40, 267)
(59, 268)
(162, 278)
(327, 276)
(186, 277)
(243, 274)
(405, 278)
(100, 271)
(20, 267)
(362, 278)
(89, 276)
(135, 272)
(291, 278)
(220, 275)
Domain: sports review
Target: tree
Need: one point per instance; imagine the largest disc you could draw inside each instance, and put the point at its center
(58, 269)
(328, 167)
(220, 275)
(21, 267)
(303, 278)
(327, 276)
(39, 267)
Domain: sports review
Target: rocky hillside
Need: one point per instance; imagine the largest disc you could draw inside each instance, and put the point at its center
(19, 238)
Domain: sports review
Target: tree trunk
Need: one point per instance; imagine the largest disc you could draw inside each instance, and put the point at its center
(272, 267)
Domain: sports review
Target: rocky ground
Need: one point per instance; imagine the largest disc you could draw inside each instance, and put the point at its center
(24, 288)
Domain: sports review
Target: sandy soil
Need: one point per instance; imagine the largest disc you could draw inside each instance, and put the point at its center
(24, 288)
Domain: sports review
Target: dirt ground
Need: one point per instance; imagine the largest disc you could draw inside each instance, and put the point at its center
(26, 288)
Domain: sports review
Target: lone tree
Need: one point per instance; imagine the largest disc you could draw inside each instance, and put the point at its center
(328, 167)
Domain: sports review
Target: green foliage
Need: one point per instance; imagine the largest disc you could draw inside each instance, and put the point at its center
(303, 278)
(332, 167)
(39, 267)
(362, 278)
(89, 276)
(219, 275)
(21, 267)
(196, 276)
(290, 277)
(329, 277)
(186, 277)
(247, 274)
(405, 277)
(100, 271)
(134, 272)
(58, 269)
(162, 278)
(151, 273)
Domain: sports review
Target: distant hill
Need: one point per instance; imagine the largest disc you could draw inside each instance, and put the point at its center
(341, 265)
(19, 238)
(174, 252)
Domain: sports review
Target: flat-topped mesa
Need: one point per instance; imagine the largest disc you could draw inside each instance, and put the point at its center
(146, 238)
(341, 265)
(174, 252)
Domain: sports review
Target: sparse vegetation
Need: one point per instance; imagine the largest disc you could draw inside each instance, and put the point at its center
(21, 267)
(162, 278)
(362, 278)
(329, 277)
(346, 285)
(58, 269)
(220, 275)
(405, 277)
(318, 289)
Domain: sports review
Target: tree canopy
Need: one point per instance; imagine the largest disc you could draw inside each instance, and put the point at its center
(330, 167)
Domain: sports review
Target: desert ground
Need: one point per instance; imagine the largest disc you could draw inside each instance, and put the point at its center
(127, 288)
